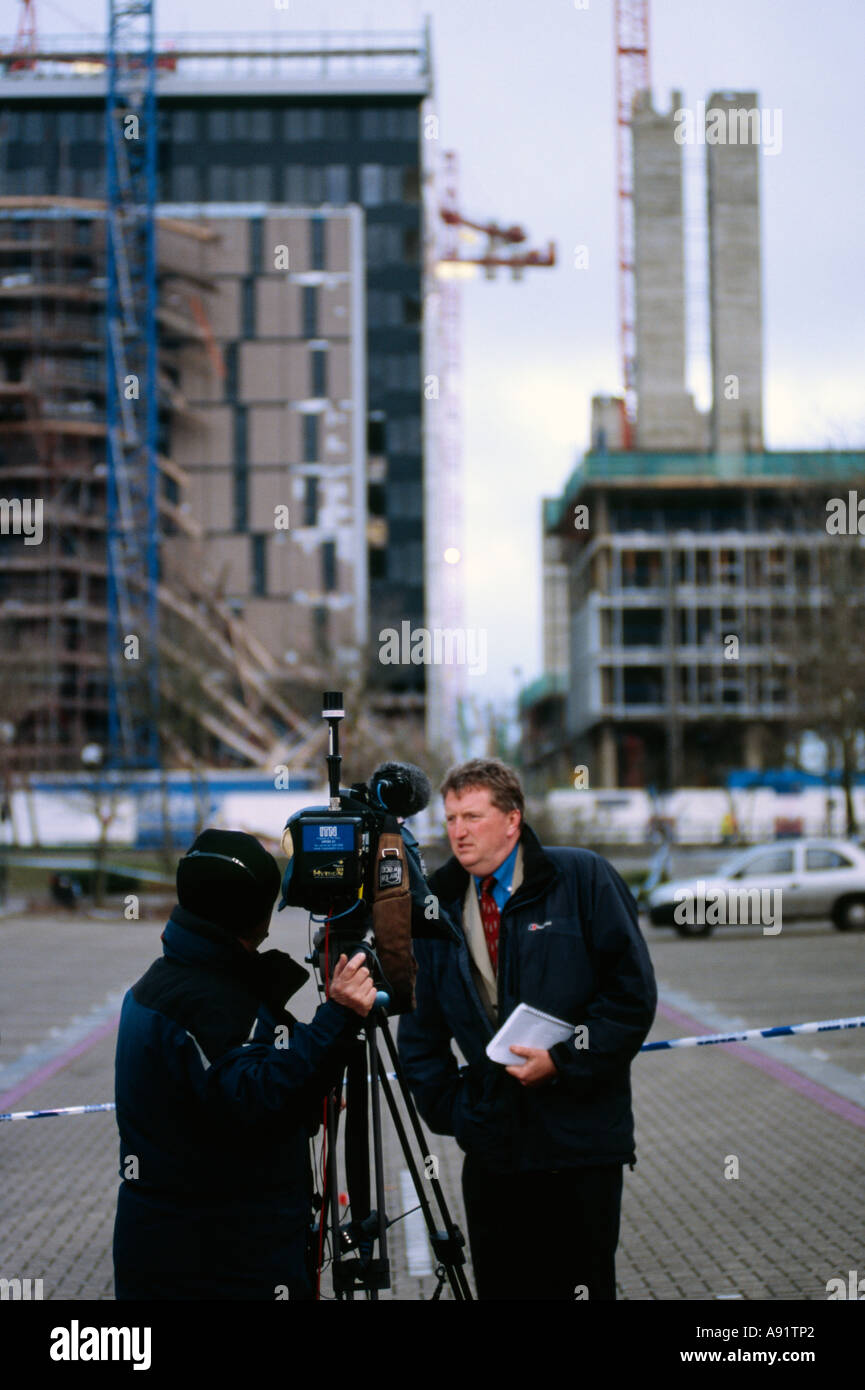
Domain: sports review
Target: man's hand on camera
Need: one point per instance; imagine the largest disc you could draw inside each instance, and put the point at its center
(352, 984)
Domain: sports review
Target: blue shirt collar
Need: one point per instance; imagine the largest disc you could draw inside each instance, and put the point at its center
(504, 874)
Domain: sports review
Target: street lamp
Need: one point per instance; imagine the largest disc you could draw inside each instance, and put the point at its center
(91, 758)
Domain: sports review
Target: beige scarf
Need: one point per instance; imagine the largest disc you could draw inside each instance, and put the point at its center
(473, 927)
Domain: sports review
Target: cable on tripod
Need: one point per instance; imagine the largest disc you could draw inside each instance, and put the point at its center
(323, 1208)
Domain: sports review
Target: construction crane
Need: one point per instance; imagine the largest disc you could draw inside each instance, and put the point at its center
(504, 248)
(25, 43)
(497, 238)
(632, 76)
(132, 392)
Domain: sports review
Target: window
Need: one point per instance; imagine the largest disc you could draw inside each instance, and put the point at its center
(336, 183)
(261, 124)
(259, 565)
(261, 183)
(218, 124)
(370, 125)
(310, 502)
(230, 358)
(642, 627)
(319, 372)
(775, 861)
(219, 183)
(310, 311)
(404, 500)
(314, 184)
(314, 123)
(185, 127)
(310, 438)
(375, 433)
(247, 292)
(293, 125)
(241, 507)
(295, 183)
(256, 244)
(337, 123)
(184, 183)
(393, 184)
(403, 435)
(371, 185)
(328, 565)
(32, 127)
(383, 244)
(642, 687)
(89, 126)
(316, 243)
(383, 309)
(408, 562)
(825, 859)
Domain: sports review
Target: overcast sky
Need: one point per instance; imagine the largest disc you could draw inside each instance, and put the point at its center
(525, 94)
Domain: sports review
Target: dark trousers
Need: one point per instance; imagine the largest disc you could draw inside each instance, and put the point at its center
(543, 1235)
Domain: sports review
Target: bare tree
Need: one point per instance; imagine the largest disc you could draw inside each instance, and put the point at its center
(825, 656)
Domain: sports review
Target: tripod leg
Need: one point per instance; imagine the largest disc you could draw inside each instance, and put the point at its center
(449, 1251)
(378, 1156)
(357, 1134)
(331, 1194)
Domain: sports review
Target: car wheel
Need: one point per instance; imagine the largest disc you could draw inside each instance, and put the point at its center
(849, 914)
(688, 929)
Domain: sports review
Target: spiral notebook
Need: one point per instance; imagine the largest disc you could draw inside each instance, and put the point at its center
(526, 1027)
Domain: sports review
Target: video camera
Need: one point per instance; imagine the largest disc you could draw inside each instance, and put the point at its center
(354, 863)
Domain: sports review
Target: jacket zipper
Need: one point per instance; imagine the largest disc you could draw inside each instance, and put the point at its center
(500, 974)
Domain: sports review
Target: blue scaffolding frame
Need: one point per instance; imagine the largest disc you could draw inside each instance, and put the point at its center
(132, 391)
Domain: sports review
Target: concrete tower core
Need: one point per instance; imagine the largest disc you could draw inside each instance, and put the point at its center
(666, 416)
(732, 134)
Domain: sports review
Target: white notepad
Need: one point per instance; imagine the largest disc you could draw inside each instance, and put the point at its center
(526, 1027)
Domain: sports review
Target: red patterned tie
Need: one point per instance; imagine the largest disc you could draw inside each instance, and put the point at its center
(490, 916)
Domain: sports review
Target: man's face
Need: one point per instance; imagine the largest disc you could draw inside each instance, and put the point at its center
(481, 835)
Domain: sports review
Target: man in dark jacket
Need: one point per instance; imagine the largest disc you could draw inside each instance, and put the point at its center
(218, 1090)
(545, 1139)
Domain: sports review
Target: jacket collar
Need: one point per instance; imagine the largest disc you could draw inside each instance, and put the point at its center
(272, 975)
(195, 941)
(538, 870)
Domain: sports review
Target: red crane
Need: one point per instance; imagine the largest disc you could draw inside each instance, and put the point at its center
(497, 239)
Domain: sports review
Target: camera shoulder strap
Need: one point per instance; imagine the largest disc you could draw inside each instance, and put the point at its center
(391, 917)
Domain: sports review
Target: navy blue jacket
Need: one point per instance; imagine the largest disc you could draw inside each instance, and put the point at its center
(218, 1090)
(570, 945)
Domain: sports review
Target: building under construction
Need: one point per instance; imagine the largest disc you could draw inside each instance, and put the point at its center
(288, 508)
(220, 685)
(689, 560)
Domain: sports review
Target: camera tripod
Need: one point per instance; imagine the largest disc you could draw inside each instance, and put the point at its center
(356, 1267)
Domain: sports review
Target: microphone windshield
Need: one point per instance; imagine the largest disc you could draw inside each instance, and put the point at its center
(401, 788)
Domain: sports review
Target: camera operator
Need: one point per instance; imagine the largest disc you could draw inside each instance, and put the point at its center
(219, 1089)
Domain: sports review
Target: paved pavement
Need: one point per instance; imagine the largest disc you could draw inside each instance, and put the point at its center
(789, 1114)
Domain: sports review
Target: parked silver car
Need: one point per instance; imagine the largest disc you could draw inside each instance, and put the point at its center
(803, 878)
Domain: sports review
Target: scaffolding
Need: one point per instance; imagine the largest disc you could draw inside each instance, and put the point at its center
(219, 689)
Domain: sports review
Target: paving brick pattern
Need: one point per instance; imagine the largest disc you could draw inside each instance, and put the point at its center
(792, 1219)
